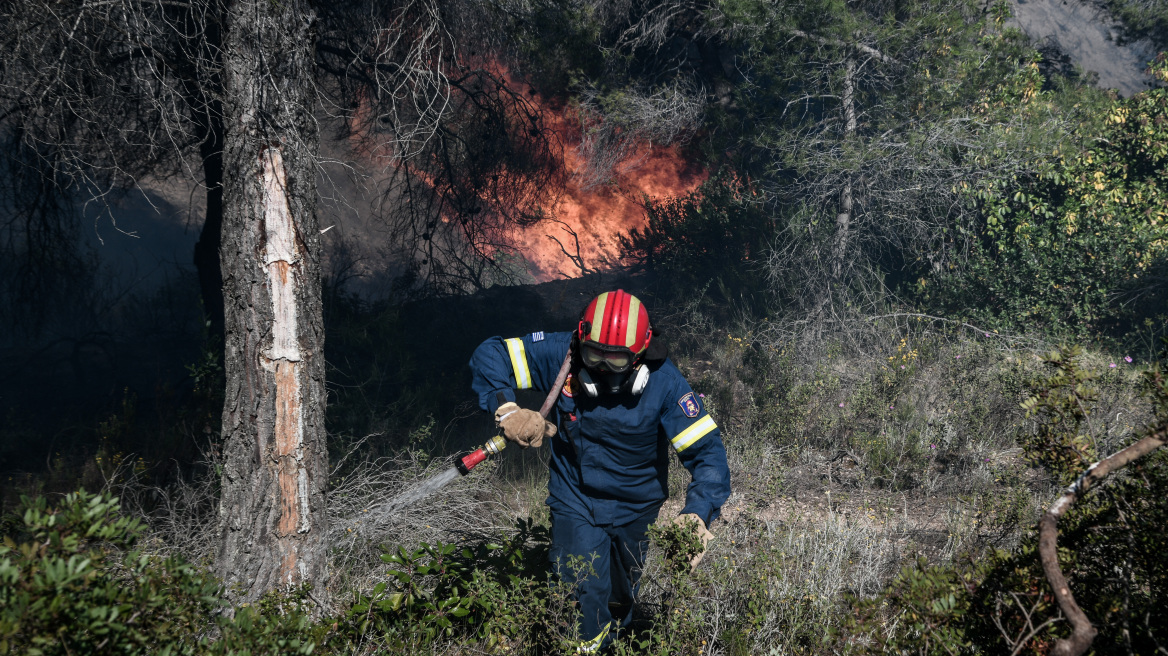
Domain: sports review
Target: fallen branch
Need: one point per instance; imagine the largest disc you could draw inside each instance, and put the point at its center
(1084, 633)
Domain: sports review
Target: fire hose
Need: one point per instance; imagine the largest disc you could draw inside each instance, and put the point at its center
(496, 444)
(369, 520)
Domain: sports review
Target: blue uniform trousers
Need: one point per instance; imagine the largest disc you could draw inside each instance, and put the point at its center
(617, 555)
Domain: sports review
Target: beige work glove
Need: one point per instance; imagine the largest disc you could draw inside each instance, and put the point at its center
(703, 534)
(523, 427)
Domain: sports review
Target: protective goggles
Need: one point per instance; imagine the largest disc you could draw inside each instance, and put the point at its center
(614, 359)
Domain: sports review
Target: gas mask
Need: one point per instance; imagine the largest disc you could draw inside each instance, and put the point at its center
(633, 381)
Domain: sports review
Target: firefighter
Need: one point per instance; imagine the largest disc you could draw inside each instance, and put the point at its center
(622, 406)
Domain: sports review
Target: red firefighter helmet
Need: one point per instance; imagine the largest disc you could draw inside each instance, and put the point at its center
(613, 332)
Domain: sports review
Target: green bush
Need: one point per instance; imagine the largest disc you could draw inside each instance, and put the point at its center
(1110, 548)
(73, 581)
(1141, 19)
(493, 593)
(1072, 244)
(73, 584)
(676, 625)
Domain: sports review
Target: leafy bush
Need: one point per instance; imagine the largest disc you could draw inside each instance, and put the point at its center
(1111, 548)
(73, 581)
(1062, 403)
(76, 586)
(674, 626)
(1071, 242)
(1141, 19)
(493, 593)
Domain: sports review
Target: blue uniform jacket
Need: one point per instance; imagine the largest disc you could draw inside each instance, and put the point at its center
(609, 459)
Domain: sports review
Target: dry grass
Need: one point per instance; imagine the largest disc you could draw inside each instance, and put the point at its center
(852, 456)
(363, 521)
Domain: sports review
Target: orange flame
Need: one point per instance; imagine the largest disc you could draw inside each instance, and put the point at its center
(599, 214)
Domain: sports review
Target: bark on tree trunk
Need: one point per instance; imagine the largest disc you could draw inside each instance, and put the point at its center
(272, 514)
(843, 220)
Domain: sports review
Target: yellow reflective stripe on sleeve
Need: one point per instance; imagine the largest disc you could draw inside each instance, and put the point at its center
(519, 362)
(695, 432)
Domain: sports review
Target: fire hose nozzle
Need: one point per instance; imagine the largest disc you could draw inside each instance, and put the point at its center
(495, 445)
(472, 459)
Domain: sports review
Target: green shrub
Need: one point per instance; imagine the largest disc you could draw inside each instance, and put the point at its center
(1062, 402)
(1141, 19)
(493, 593)
(1072, 243)
(74, 584)
(676, 625)
(73, 581)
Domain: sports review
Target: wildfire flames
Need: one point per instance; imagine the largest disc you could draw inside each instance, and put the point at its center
(586, 220)
(599, 214)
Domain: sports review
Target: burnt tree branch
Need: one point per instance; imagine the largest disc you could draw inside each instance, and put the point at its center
(577, 259)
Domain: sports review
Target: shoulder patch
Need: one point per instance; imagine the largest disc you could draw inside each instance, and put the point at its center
(567, 391)
(537, 337)
(689, 405)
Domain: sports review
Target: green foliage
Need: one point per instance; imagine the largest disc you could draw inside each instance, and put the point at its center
(917, 408)
(1110, 548)
(676, 626)
(1001, 601)
(1062, 402)
(74, 581)
(74, 585)
(997, 603)
(1140, 19)
(928, 604)
(927, 70)
(493, 593)
(679, 544)
(1077, 231)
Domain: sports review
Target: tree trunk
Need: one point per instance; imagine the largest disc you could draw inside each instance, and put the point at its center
(843, 220)
(272, 515)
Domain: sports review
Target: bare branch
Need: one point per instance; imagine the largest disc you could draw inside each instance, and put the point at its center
(1084, 633)
(868, 50)
(575, 258)
(615, 130)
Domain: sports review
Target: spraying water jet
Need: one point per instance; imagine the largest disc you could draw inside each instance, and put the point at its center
(381, 513)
